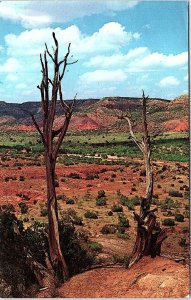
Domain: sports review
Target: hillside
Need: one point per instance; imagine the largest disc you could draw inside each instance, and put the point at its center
(149, 278)
(95, 114)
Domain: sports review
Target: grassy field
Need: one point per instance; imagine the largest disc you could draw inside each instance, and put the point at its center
(169, 146)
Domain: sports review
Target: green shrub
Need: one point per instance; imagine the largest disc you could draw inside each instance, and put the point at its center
(21, 178)
(95, 246)
(168, 222)
(155, 196)
(182, 242)
(74, 176)
(124, 235)
(92, 177)
(72, 216)
(156, 202)
(16, 276)
(23, 207)
(123, 221)
(130, 202)
(101, 201)
(117, 208)
(70, 201)
(185, 229)
(109, 229)
(179, 218)
(8, 208)
(142, 173)
(121, 259)
(186, 214)
(77, 252)
(101, 194)
(91, 214)
(43, 210)
(173, 193)
(124, 200)
(168, 203)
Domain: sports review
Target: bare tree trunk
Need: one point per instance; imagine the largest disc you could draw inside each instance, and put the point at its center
(51, 90)
(57, 259)
(149, 234)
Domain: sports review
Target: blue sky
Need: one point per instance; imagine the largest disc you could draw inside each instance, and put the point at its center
(122, 47)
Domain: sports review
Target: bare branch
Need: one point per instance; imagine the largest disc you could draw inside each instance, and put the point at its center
(36, 124)
(49, 53)
(137, 142)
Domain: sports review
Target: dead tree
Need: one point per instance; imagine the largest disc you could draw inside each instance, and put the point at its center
(149, 234)
(51, 93)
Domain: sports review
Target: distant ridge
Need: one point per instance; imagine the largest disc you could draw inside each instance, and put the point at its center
(98, 114)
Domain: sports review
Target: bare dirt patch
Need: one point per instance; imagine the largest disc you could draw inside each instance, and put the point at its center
(149, 278)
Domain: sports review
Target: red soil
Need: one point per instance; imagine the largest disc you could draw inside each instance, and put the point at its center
(149, 278)
(176, 125)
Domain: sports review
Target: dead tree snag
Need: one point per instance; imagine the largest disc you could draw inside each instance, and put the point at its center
(149, 234)
(51, 92)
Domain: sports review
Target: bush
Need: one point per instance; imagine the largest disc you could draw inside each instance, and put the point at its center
(124, 200)
(168, 222)
(168, 203)
(16, 275)
(72, 216)
(117, 208)
(155, 196)
(123, 221)
(92, 177)
(8, 208)
(173, 193)
(156, 202)
(101, 194)
(91, 214)
(95, 246)
(23, 207)
(74, 176)
(22, 178)
(182, 242)
(185, 229)
(77, 252)
(186, 213)
(179, 218)
(101, 201)
(70, 201)
(43, 210)
(110, 213)
(109, 229)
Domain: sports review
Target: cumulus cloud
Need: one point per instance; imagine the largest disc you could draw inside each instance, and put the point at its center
(140, 59)
(169, 81)
(11, 65)
(11, 77)
(21, 86)
(103, 76)
(32, 14)
(111, 36)
(117, 59)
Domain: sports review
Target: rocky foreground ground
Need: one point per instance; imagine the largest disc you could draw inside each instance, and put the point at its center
(149, 278)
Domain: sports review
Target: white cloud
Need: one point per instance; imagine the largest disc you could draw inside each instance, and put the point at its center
(111, 36)
(21, 86)
(169, 81)
(11, 77)
(186, 78)
(140, 59)
(116, 59)
(103, 76)
(33, 14)
(11, 65)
